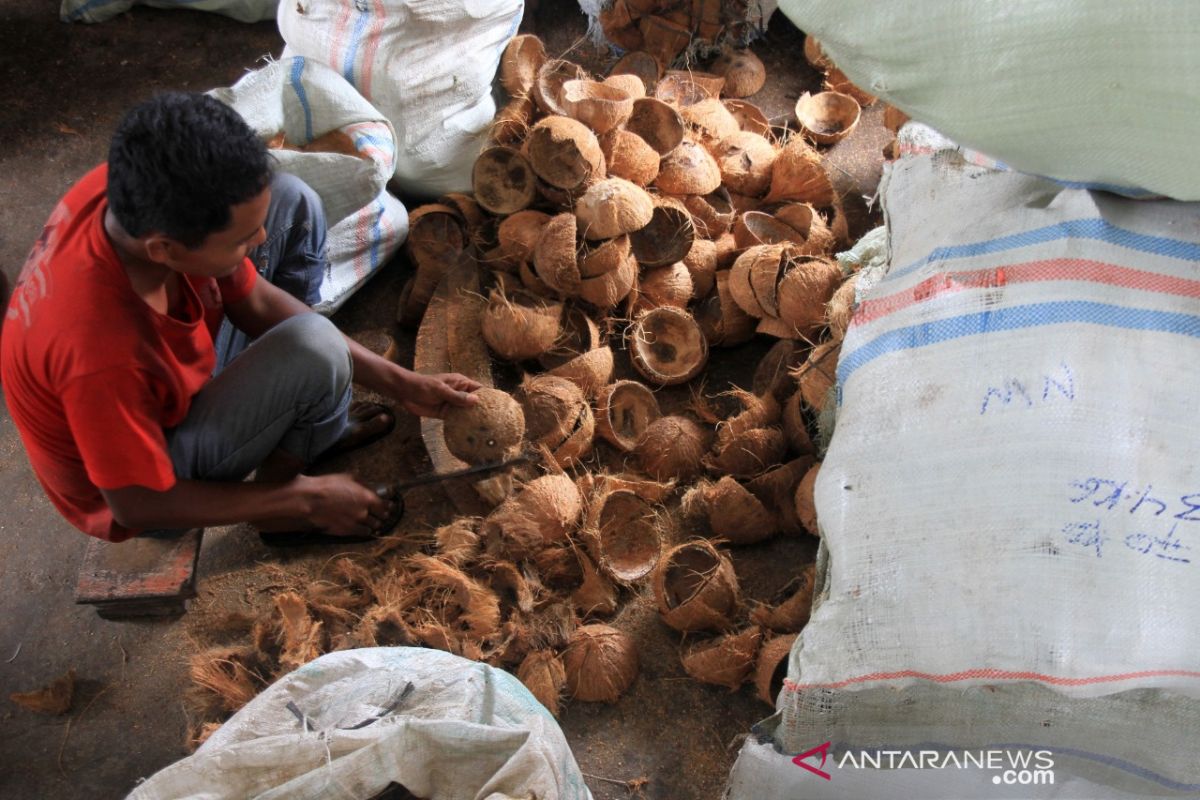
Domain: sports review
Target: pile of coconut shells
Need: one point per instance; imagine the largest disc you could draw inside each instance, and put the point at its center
(631, 225)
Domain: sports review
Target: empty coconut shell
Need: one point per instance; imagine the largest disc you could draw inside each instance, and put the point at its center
(798, 174)
(805, 220)
(749, 453)
(667, 238)
(658, 124)
(628, 156)
(554, 256)
(792, 607)
(841, 307)
(737, 515)
(596, 595)
(749, 116)
(743, 71)
(618, 21)
(564, 152)
(688, 169)
(612, 207)
(665, 286)
(695, 588)
(643, 65)
(489, 430)
(772, 668)
(725, 661)
(794, 427)
(758, 227)
(755, 276)
(544, 676)
(712, 213)
(622, 534)
(827, 117)
(815, 55)
(602, 258)
(673, 448)
(804, 291)
(600, 106)
(819, 374)
(517, 236)
(542, 513)
(557, 416)
(743, 411)
(548, 86)
(503, 180)
(523, 57)
(682, 88)
(623, 412)
(701, 264)
(512, 121)
(631, 85)
(745, 160)
(667, 346)
(601, 663)
(806, 504)
(722, 320)
(836, 81)
(610, 288)
(709, 122)
(579, 335)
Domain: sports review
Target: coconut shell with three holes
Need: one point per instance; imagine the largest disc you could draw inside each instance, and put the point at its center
(601, 663)
(695, 588)
(503, 180)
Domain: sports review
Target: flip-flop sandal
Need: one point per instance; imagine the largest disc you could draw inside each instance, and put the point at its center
(304, 538)
(359, 432)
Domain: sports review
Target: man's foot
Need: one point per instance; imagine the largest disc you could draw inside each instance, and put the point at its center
(300, 538)
(368, 422)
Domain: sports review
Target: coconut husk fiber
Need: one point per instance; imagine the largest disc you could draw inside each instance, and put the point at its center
(54, 698)
(806, 504)
(792, 606)
(544, 676)
(672, 448)
(601, 663)
(772, 666)
(736, 515)
(696, 588)
(725, 661)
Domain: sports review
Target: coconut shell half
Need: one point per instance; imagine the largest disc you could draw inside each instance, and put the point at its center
(688, 169)
(682, 88)
(696, 588)
(792, 606)
(725, 661)
(613, 207)
(737, 515)
(827, 117)
(672, 448)
(743, 71)
(519, 66)
(623, 412)
(545, 677)
(798, 175)
(806, 504)
(628, 156)
(749, 453)
(667, 346)
(645, 66)
(564, 152)
(749, 117)
(600, 106)
(658, 124)
(601, 663)
(772, 668)
(745, 160)
(712, 213)
(622, 534)
(804, 292)
(547, 87)
(819, 374)
(503, 180)
(490, 430)
(554, 257)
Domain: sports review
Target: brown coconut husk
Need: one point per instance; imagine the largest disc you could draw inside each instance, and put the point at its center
(696, 588)
(478, 606)
(610, 288)
(623, 412)
(737, 515)
(749, 453)
(754, 278)
(55, 698)
(838, 224)
(557, 416)
(693, 507)
(458, 542)
(772, 667)
(793, 425)
(673, 447)
(667, 346)
(558, 567)
(663, 39)
(806, 504)
(517, 236)
(727, 249)
(521, 325)
(836, 81)
(519, 66)
(818, 374)
(490, 430)
(628, 156)
(792, 606)
(651, 491)
(725, 661)
(436, 236)
(472, 214)
(668, 236)
(682, 88)
(547, 89)
(688, 169)
(798, 175)
(894, 118)
(631, 85)
(645, 66)
(564, 152)
(554, 257)
(541, 514)
(657, 124)
(226, 677)
(532, 283)
(749, 117)
(773, 326)
(776, 489)
(743, 71)
(805, 291)
(600, 106)
(712, 213)
(505, 578)
(721, 319)
(590, 371)
(804, 219)
(701, 264)
(758, 227)
(543, 674)
(827, 117)
(709, 122)
(618, 21)
(601, 663)
(503, 180)
(841, 308)
(747, 411)
(773, 374)
(580, 334)
(744, 203)
(745, 160)
(665, 286)
(512, 121)
(613, 207)
(814, 55)
(598, 259)
(303, 637)
(622, 534)
(384, 626)
(596, 595)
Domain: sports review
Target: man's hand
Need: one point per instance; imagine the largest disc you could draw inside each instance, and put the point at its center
(433, 395)
(340, 505)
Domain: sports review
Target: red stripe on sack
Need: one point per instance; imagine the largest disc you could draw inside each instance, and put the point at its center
(373, 37)
(1055, 269)
(993, 674)
(338, 41)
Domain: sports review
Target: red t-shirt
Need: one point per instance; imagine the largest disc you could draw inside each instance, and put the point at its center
(92, 374)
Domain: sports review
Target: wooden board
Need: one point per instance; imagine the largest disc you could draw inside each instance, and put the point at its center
(144, 576)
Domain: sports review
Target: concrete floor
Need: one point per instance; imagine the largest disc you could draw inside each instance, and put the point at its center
(66, 87)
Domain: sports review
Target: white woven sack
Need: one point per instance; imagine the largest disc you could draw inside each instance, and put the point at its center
(1010, 506)
(101, 10)
(428, 65)
(1082, 90)
(444, 727)
(305, 100)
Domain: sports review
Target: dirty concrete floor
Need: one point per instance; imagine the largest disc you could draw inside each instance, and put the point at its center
(67, 86)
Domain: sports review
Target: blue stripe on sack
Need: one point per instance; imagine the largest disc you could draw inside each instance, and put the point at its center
(382, 142)
(1015, 318)
(1089, 228)
(364, 14)
(302, 96)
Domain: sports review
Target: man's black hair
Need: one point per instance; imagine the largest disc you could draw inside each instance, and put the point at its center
(179, 162)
